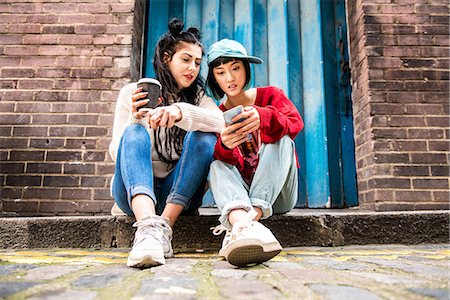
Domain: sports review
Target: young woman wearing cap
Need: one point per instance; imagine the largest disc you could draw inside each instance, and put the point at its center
(254, 174)
(163, 155)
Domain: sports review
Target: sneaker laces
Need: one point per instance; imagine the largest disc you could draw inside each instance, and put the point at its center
(238, 227)
(243, 225)
(148, 225)
(217, 230)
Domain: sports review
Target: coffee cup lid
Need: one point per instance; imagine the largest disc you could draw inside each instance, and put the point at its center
(150, 80)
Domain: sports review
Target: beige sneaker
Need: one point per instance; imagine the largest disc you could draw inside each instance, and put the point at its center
(251, 243)
(167, 238)
(148, 247)
(248, 242)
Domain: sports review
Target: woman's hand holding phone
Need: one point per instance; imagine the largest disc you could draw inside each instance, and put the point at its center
(240, 122)
(252, 121)
(230, 138)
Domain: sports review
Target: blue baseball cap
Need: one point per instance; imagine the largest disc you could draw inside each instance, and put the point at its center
(230, 48)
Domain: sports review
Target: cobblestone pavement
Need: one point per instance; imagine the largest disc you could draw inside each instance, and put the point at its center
(353, 272)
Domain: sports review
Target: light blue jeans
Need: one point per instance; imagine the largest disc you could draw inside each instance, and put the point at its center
(274, 187)
(184, 185)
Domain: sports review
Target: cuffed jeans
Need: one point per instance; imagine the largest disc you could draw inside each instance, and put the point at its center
(184, 185)
(274, 187)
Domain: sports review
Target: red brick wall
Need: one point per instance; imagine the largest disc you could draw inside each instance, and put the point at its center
(400, 72)
(61, 66)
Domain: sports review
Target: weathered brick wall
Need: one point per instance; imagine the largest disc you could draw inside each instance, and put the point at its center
(400, 72)
(61, 66)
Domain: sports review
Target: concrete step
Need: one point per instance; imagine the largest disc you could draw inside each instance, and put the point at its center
(301, 227)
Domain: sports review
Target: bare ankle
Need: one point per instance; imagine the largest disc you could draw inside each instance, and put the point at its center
(142, 206)
(259, 211)
(172, 211)
(236, 215)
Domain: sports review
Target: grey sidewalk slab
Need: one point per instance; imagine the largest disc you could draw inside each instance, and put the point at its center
(382, 272)
(297, 228)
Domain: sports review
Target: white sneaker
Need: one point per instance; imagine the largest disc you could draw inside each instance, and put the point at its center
(249, 242)
(148, 247)
(226, 240)
(167, 238)
(253, 244)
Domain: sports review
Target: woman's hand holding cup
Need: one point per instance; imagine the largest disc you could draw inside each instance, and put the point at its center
(138, 100)
(146, 97)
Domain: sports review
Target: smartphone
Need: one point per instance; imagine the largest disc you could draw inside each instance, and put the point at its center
(231, 113)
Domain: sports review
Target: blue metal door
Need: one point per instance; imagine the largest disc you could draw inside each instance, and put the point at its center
(304, 47)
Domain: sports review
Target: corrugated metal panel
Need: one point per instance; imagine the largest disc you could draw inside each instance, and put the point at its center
(192, 13)
(347, 156)
(296, 90)
(314, 114)
(288, 36)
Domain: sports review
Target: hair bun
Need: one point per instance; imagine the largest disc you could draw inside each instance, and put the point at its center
(194, 31)
(175, 26)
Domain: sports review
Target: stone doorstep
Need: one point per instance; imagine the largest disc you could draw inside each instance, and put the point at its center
(301, 227)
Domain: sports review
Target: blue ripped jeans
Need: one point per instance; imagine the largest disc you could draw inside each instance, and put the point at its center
(184, 185)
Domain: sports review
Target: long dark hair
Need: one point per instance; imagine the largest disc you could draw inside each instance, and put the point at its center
(169, 45)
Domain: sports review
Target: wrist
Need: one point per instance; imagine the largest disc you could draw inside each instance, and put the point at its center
(179, 114)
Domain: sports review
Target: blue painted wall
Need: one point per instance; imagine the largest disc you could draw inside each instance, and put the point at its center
(304, 47)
